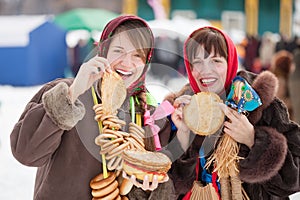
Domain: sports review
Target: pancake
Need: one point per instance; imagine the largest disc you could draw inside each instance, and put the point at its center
(203, 116)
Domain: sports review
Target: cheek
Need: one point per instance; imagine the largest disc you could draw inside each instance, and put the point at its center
(195, 74)
(222, 71)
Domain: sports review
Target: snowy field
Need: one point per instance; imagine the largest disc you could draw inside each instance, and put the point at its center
(17, 180)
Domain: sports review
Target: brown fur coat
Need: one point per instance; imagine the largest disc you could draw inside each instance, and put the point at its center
(271, 167)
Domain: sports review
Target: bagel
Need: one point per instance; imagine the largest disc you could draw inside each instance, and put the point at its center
(117, 151)
(108, 149)
(113, 195)
(137, 129)
(114, 132)
(114, 163)
(106, 190)
(99, 182)
(202, 115)
(123, 133)
(111, 125)
(117, 141)
(135, 144)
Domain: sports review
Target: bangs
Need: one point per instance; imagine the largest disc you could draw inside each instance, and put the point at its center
(140, 35)
(211, 40)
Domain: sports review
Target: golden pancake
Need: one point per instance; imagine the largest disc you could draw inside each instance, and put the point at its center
(203, 116)
(113, 92)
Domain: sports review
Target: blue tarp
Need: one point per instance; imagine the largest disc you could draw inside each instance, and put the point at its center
(42, 59)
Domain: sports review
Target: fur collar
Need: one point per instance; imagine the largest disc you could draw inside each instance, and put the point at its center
(265, 84)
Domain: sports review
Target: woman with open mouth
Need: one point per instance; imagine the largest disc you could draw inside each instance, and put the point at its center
(57, 130)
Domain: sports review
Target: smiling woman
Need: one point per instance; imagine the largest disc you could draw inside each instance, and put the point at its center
(125, 59)
(256, 127)
(57, 130)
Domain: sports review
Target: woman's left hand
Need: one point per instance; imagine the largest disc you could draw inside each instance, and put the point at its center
(146, 185)
(238, 126)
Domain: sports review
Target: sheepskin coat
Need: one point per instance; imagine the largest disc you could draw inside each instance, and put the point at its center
(58, 137)
(270, 169)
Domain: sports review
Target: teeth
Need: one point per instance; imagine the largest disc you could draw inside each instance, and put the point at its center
(208, 80)
(124, 72)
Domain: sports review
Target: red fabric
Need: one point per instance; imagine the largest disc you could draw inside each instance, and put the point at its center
(187, 196)
(111, 26)
(214, 183)
(232, 61)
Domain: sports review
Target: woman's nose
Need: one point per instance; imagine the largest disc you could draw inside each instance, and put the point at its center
(205, 67)
(126, 60)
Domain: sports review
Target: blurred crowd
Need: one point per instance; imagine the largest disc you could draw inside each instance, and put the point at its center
(280, 55)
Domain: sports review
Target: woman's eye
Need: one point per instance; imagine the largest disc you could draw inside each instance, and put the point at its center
(196, 62)
(217, 60)
(117, 51)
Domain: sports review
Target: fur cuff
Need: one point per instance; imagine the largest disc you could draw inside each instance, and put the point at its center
(60, 109)
(265, 158)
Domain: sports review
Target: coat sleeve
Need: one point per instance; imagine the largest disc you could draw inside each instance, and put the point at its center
(273, 161)
(37, 134)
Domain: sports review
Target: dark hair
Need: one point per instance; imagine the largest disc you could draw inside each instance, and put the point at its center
(139, 35)
(283, 61)
(212, 41)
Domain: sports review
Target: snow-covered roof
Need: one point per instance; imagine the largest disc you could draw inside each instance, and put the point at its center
(15, 29)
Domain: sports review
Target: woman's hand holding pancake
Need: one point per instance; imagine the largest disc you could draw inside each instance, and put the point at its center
(177, 118)
(88, 73)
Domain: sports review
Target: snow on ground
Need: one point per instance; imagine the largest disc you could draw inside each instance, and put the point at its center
(17, 180)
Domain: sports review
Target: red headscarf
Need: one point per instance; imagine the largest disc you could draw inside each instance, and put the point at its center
(232, 60)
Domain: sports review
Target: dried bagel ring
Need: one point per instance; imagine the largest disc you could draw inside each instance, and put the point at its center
(117, 151)
(98, 109)
(103, 192)
(104, 138)
(113, 132)
(111, 125)
(123, 133)
(108, 117)
(140, 129)
(108, 149)
(138, 139)
(99, 182)
(110, 196)
(135, 144)
(137, 130)
(114, 163)
(115, 141)
(118, 121)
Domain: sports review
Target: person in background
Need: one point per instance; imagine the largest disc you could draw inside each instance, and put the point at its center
(283, 66)
(57, 130)
(268, 140)
(294, 85)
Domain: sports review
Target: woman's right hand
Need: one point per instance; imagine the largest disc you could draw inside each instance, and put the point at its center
(88, 73)
(177, 115)
(177, 118)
